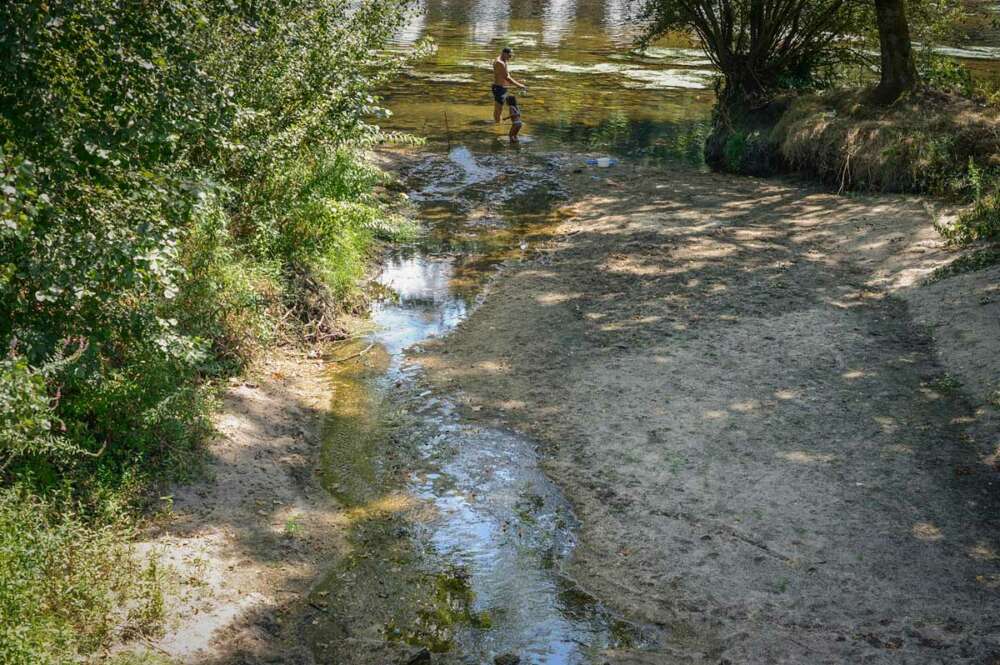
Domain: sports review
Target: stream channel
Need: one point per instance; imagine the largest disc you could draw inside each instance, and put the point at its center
(459, 542)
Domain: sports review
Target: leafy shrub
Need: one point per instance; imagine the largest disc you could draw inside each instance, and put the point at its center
(734, 150)
(68, 584)
(225, 297)
(981, 220)
(172, 169)
(987, 90)
(171, 174)
(943, 73)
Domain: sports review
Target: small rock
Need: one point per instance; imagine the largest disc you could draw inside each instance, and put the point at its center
(507, 659)
(422, 657)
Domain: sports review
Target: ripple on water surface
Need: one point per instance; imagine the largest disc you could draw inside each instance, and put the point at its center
(457, 538)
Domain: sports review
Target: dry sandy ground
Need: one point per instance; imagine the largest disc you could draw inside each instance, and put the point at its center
(245, 543)
(777, 437)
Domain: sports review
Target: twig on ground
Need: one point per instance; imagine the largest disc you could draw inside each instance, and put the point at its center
(156, 647)
(355, 355)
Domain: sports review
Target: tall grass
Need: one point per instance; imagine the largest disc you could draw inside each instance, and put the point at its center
(980, 221)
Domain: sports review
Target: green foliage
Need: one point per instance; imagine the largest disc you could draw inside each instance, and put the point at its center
(29, 427)
(759, 46)
(224, 296)
(947, 74)
(981, 220)
(26, 417)
(163, 167)
(293, 527)
(326, 220)
(735, 150)
(979, 259)
(943, 73)
(171, 175)
(854, 59)
(987, 90)
(68, 583)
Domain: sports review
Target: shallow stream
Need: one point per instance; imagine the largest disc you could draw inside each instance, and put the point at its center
(459, 542)
(459, 539)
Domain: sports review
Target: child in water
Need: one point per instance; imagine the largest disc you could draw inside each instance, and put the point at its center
(515, 117)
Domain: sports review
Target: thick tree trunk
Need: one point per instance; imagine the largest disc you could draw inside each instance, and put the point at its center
(898, 71)
(744, 115)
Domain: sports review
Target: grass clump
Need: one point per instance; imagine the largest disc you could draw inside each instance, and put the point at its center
(981, 220)
(979, 259)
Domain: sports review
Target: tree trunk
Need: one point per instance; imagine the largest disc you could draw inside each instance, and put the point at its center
(899, 74)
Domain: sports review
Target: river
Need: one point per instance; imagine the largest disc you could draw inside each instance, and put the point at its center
(459, 541)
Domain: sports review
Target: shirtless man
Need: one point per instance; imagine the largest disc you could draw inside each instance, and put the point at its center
(501, 79)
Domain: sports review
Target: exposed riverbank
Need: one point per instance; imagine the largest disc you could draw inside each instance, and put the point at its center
(923, 143)
(779, 442)
(777, 437)
(241, 547)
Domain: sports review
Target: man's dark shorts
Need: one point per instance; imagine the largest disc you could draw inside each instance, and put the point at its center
(499, 93)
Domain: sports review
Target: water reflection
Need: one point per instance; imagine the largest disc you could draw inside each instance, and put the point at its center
(617, 17)
(489, 20)
(424, 305)
(415, 22)
(557, 19)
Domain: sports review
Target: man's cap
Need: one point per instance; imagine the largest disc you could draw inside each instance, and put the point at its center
(506, 49)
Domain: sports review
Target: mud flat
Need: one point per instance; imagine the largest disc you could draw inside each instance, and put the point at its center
(778, 432)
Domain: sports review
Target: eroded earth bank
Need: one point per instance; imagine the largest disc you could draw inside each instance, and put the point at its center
(775, 422)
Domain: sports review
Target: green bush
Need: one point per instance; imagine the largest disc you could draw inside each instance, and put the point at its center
(981, 220)
(68, 582)
(943, 73)
(330, 219)
(171, 175)
(224, 296)
(171, 171)
(734, 151)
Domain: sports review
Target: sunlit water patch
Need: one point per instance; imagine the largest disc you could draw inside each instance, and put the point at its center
(970, 52)
(577, 59)
(458, 538)
(660, 79)
(692, 57)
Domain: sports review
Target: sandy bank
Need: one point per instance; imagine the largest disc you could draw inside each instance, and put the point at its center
(777, 437)
(243, 544)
